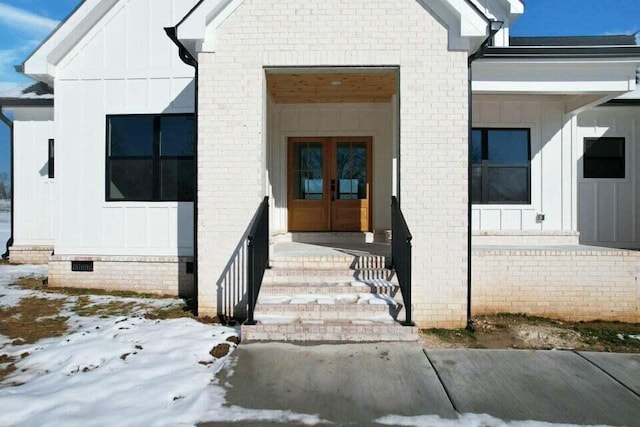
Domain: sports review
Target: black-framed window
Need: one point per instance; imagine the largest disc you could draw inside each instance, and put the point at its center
(604, 158)
(501, 166)
(51, 161)
(150, 157)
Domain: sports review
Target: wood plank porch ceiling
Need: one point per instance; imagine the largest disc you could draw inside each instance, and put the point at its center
(310, 88)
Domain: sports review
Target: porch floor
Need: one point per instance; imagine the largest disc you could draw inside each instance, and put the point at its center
(329, 249)
(342, 249)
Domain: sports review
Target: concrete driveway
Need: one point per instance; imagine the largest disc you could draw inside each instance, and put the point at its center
(401, 384)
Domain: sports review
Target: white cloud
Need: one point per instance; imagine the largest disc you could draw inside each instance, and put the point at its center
(10, 57)
(9, 88)
(23, 19)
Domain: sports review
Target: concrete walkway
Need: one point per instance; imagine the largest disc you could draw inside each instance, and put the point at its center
(357, 384)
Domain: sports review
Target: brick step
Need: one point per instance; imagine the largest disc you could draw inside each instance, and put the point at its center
(344, 276)
(373, 287)
(327, 299)
(330, 331)
(336, 310)
(329, 262)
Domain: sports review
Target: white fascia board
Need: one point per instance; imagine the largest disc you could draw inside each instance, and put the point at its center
(192, 30)
(472, 22)
(41, 65)
(501, 10)
(554, 76)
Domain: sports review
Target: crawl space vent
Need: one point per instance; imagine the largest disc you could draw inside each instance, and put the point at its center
(81, 265)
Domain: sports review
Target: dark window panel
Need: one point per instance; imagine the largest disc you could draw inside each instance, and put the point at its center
(130, 179)
(476, 184)
(51, 161)
(604, 168)
(131, 136)
(508, 185)
(508, 146)
(177, 136)
(177, 179)
(604, 158)
(476, 147)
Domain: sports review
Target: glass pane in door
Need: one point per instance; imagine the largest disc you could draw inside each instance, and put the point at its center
(351, 167)
(308, 179)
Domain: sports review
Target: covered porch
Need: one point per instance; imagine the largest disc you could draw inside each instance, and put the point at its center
(332, 149)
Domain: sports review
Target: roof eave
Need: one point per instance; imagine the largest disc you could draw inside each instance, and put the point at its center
(40, 65)
(28, 102)
(562, 52)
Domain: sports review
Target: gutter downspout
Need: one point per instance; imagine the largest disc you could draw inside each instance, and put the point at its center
(493, 27)
(9, 123)
(187, 58)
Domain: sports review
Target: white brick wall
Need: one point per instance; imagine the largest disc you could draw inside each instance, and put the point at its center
(579, 284)
(433, 129)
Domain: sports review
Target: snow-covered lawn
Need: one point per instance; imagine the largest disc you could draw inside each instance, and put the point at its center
(111, 370)
(5, 224)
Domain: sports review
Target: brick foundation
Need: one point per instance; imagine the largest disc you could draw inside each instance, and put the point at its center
(151, 275)
(30, 254)
(574, 284)
(526, 238)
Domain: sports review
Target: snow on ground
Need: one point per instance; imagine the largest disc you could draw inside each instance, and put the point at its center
(5, 224)
(467, 420)
(116, 370)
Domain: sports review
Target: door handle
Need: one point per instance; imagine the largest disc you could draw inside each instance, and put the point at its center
(333, 190)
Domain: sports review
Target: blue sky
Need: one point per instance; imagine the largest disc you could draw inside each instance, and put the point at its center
(24, 23)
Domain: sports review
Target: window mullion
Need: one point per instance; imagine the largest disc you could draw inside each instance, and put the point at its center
(156, 158)
(485, 183)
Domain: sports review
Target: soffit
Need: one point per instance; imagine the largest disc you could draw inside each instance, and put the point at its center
(303, 88)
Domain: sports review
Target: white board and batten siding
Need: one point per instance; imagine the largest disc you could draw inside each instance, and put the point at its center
(551, 171)
(125, 65)
(326, 120)
(609, 209)
(34, 193)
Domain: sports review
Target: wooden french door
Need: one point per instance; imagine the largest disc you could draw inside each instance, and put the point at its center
(329, 183)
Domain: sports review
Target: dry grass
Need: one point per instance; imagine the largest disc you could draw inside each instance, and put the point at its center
(40, 284)
(529, 332)
(85, 307)
(32, 319)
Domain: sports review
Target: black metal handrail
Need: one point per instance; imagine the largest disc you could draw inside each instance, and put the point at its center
(401, 255)
(257, 256)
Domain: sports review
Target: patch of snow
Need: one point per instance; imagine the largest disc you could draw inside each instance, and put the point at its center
(270, 319)
(275, 299)
(5, 226)
(125, 371)
(376, 299)
(467, 420)
(304, 299)
(375, 318)
(620, 337)
(634, 337)
(346, 299)
(326, 300)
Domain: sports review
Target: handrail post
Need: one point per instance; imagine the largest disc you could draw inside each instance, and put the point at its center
(257, 257)
(407, 288)
(250, 284)
(401, 256)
